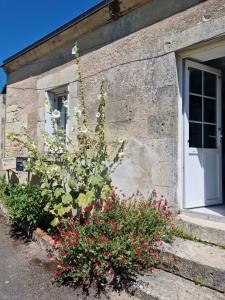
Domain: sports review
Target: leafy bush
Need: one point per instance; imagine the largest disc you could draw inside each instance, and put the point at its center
(26, 205)
(3, 185)
(116, 241)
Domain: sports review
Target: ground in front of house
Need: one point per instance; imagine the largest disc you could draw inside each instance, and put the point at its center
(26, 273)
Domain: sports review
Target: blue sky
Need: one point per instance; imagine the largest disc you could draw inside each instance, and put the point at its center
(23, 22)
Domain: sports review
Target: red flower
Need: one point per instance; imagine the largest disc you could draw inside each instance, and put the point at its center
(138, 252)
(115, 227)
(73, 244)
(76, 236)
(142, 247)
(106, 210)
(57, 273)
(106, 254)
(111, 274)
(88, 209)
(151, 270)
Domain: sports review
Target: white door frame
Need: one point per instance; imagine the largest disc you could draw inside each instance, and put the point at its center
(184, 84)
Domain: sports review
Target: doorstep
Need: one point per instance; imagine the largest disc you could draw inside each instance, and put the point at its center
(201, 263)
(204, 227)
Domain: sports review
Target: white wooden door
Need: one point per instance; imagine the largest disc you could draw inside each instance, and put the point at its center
(202, 136)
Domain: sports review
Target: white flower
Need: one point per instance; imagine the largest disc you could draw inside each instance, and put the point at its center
(121, 154)
(47, 103)
(75, 50)
(97, 115)
(56, 114)
(99, 97)
(84, 129)
(65, 103)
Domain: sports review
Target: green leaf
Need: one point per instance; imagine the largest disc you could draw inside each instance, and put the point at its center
(79, 170)
(72, 183)
(55, 183)
(85, 200)
(63, 210)
(55, 222)
(67, 199)
(58, 192)
(44, 193)
(95, 180)
(47, 206)
(90, 196)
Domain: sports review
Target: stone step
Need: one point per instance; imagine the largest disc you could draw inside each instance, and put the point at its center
(161, 285)
(208, 230)
(200, 263)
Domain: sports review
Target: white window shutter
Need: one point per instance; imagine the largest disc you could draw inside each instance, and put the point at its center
(48, 122)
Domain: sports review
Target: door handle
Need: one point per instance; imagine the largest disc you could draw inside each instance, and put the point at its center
(212, 136)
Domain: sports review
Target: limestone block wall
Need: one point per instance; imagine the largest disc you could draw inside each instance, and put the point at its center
(2, 129)
(143, 94)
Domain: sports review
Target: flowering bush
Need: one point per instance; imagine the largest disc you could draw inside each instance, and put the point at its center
(118, 240)
(72, 179)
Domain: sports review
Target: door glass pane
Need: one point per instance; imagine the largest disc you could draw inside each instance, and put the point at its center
(210, 84)
(210, 136)
(195, 81)
(195, 135)
(209, 110)
(195, 108)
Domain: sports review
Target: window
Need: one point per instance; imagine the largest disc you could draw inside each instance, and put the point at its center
(58, 102)
(202, 109)
(61, 106)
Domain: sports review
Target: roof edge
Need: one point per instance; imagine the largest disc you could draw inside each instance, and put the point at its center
(59, 30)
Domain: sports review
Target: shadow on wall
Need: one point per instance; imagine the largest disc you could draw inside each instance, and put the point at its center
(16, 178)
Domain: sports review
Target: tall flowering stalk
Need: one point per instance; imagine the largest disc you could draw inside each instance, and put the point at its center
(100, 128)
(71, 180)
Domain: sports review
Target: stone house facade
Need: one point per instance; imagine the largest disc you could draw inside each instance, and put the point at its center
(159, 59)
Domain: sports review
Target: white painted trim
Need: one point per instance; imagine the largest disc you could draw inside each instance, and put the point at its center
(180, 167)
(205, 51)
(68, 123)
(189, 63)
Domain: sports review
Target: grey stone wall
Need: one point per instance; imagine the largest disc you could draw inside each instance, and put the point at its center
(142, 86)
(2, 129)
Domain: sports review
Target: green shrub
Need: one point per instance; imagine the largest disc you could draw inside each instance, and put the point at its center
(3, 186)
(26, 204)
(115, 242)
